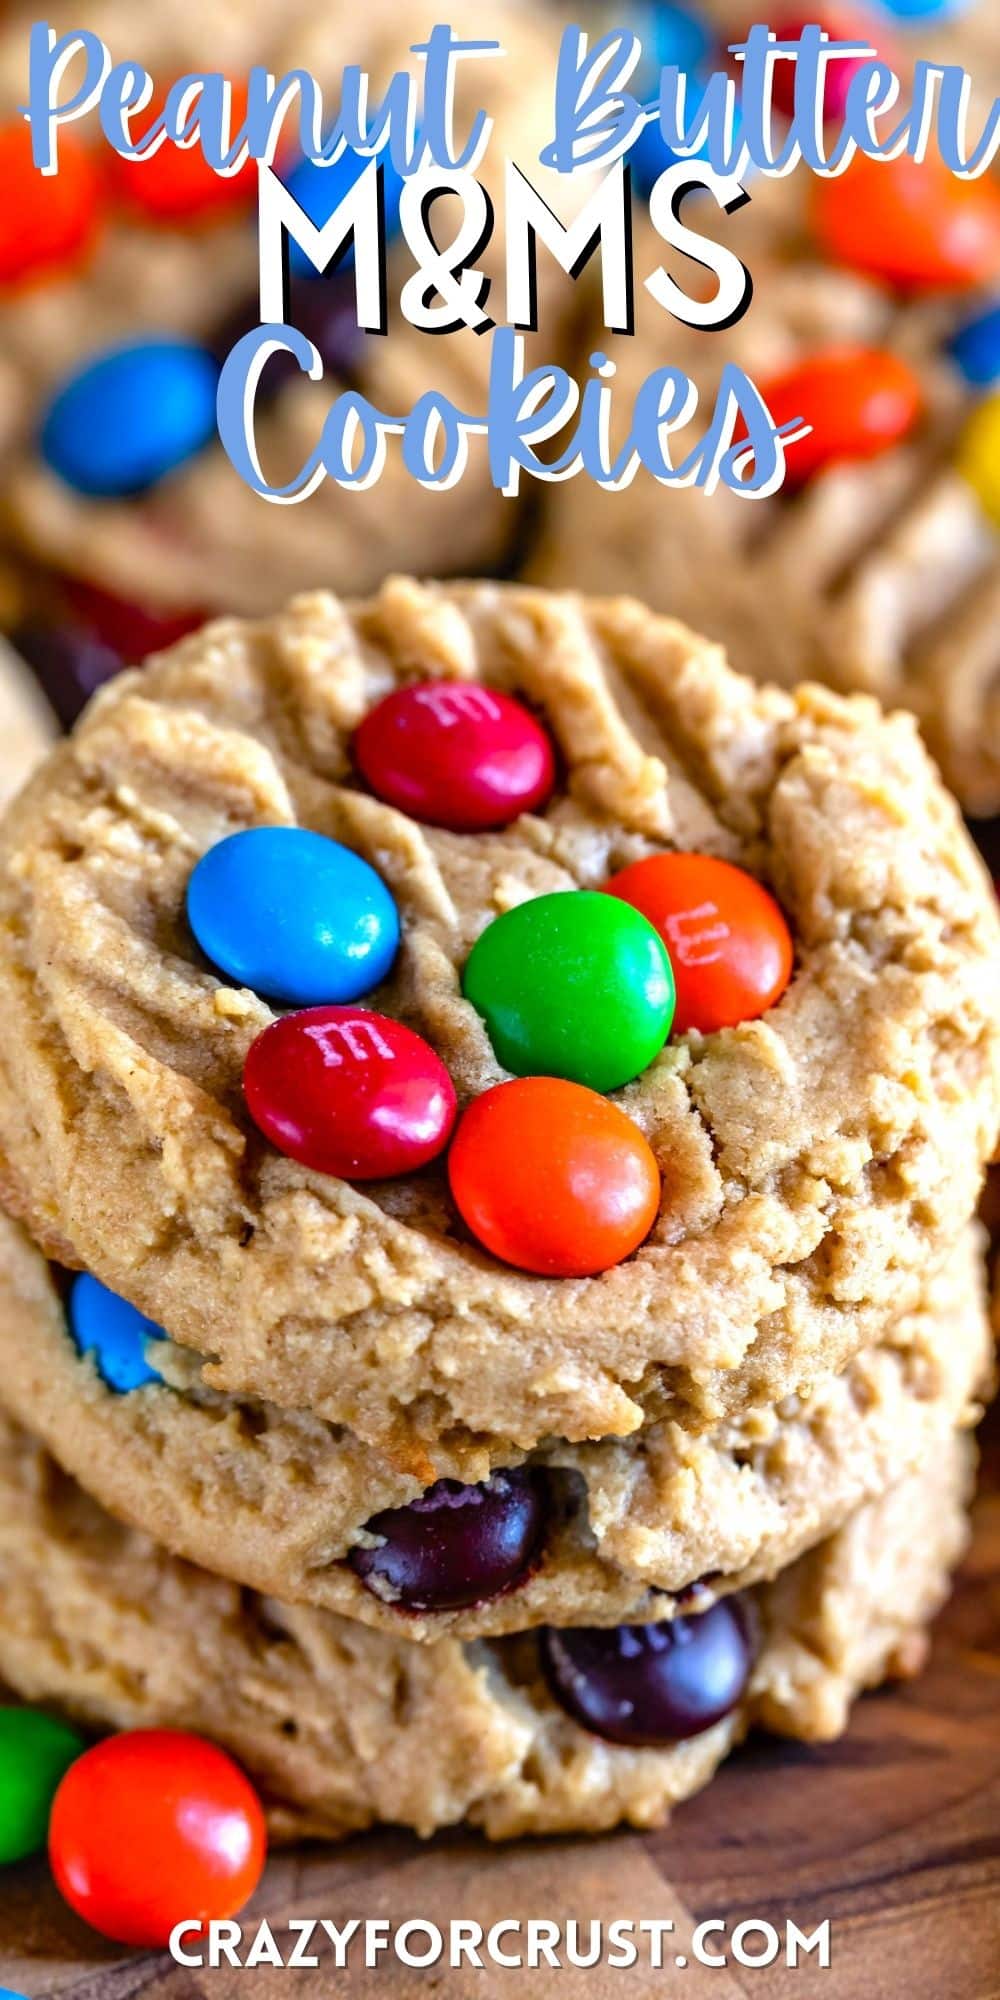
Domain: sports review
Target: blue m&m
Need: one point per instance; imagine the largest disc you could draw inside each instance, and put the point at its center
(115, 1333)
(976, 348)
(924, 10)
(293, 915)
(320, 189)
(127, 419)
(670, 34)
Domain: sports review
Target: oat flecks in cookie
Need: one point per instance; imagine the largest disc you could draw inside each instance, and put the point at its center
(816, 1162)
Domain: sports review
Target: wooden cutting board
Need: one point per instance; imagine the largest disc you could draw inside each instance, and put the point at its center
(893, 1834)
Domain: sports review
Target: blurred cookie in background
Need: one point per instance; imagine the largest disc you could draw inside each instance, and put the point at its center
(877, 566)
(117, 314)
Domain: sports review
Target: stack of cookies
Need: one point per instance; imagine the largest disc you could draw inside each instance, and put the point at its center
(472, 1343)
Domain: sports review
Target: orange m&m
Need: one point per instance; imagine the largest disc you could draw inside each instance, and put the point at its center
(858, 400)
(46, 220)
(910, 222)
(729, 943)
(177, 185)
(553, 1178)
(154, 1828)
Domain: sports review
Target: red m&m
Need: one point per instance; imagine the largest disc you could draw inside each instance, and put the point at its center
(455, 754)
(176, 184)
(153, 1828)
(553, 1178)
(134, 630)
(46, 220)
(729, 943)
(858, 400)
(349, 1092)
(910, 222)
(841, 24)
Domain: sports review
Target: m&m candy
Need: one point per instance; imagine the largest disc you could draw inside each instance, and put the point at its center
(134, 630)
(73, 656)
(976, 348)
(649, 1684)
(457, 1545)
(130, 417)
(115, 1333)
(650, 155)
(325, 313)
(978, 455)
(69, 662)
(47, 221)
(455, 754)
(176, 184)
(573, 985)
(729, 943)
(841, 24)
(910, 222)
(350, 1093)
(320, 189)
(670, 34)
(926, 10)
(293, 915)
(152, 1828)
(858, 400)
(552, 1178)
(36, 1751)
(681, 38)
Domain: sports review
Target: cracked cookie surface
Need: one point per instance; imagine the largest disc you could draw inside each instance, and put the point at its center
(816, 1161)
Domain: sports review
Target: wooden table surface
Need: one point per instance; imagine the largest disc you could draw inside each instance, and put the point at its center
(893, 1834)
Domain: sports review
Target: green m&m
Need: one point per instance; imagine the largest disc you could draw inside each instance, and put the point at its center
(574, 985)
(36, 1751)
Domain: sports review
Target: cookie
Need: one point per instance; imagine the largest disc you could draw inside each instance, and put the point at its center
(198, 537)
(816, 1161)
(879, 567)
(341, 1727)
(595, 1534)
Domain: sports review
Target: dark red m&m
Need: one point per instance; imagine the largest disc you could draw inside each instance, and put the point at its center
(133, 630)
(74, 656)
(652, 1684)
(457, 1545)
(839, 24)
(69, 663)
(321, 308)
(349, 1092)
(455, 754)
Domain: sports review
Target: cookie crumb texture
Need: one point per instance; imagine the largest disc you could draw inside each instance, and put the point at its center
(629, 1528)
(342, 1727)
(815, 1162)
